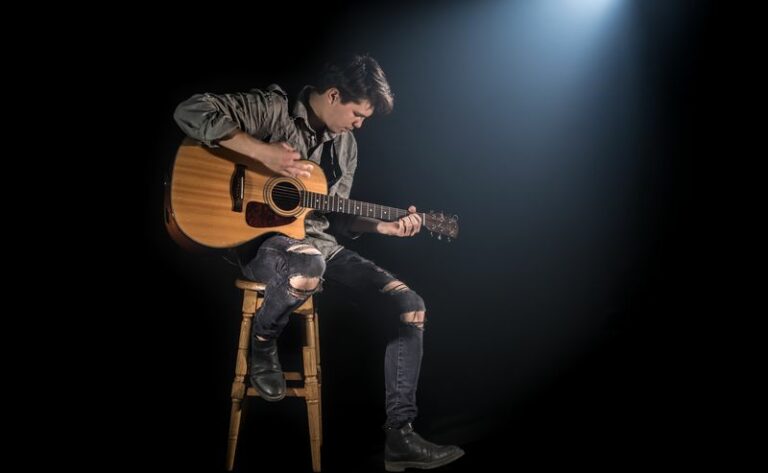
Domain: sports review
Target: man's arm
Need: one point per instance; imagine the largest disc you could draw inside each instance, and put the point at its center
(240, 122)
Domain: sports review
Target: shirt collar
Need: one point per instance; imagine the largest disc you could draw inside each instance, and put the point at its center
(301, 113)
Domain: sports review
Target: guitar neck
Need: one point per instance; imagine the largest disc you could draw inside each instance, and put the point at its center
(338, 204)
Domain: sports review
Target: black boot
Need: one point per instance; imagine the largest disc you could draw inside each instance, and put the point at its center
(405, 448)
(266, 373)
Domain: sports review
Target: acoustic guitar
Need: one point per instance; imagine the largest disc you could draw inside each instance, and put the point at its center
(217, 198)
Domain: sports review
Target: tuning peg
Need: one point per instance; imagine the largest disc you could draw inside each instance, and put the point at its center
(439, 237)
(449, 239)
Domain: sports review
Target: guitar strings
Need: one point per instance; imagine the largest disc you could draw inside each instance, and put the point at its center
(296, 194)
(293, 193)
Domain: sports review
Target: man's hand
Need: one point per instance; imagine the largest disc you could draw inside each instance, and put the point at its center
(284, 159)
(404, 226)
(281, 158)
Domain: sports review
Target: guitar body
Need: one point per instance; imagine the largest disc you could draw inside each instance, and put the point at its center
(218, 198)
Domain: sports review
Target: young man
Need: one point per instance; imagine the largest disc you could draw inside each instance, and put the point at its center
(261, 125)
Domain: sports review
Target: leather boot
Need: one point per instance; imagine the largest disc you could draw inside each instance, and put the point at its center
(405, 448)
(266, 374)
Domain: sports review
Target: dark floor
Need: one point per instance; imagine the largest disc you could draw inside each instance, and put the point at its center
(626, 403)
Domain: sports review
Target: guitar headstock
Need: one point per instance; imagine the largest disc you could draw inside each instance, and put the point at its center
(438, 222)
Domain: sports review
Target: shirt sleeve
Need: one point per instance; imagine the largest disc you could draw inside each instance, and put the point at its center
(209, 117)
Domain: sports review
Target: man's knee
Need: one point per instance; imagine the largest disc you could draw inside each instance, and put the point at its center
(305, 260)
(304, 249)
(417, 316)
(410, 305)
(304, 283)
(306, 268)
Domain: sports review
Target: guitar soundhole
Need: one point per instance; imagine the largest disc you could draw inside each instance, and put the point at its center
(285, 196)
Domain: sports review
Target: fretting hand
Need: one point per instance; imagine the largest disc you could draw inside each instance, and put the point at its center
(405, 226)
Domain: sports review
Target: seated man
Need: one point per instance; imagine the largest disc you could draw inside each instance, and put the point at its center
(319, 127)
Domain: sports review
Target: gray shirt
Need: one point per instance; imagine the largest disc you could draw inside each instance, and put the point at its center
(265, 115)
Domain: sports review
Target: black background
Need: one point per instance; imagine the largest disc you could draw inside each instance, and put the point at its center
(626, 390)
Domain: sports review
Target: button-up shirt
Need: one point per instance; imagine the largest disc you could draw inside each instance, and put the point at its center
(266, 115)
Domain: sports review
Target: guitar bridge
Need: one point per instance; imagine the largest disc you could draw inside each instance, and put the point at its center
(237, 188)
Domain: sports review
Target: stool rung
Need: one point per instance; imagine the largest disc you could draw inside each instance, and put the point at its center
(290, 392)
(293, 376)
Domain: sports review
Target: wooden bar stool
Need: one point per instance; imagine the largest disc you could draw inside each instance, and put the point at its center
(253, 296)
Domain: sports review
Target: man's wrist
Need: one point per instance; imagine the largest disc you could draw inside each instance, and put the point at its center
(384, 228)
(258, 150)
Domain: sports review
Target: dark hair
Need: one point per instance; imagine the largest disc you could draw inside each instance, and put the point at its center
(358, 78)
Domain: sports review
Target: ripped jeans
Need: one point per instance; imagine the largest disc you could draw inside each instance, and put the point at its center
(281, 259)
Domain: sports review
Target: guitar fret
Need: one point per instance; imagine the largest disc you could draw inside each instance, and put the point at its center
(336, 203)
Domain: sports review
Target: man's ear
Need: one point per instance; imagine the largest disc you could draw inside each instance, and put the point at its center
(334, 95)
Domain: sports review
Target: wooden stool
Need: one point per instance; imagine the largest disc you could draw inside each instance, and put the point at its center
(253, 296)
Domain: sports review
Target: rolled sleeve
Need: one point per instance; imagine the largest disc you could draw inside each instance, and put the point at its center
(209, 118)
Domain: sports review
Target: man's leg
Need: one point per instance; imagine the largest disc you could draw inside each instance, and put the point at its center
(292, 270)
(404, 448)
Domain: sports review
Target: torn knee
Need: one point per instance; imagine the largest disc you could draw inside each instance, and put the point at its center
(395, 286)
(303, 286)
(410, 305)
(306, 268)
(415, 318)
(304, 249)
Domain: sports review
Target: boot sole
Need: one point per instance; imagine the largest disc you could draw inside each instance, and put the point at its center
(271, 399)
(401, 466)
(268, 398)
(265, 396)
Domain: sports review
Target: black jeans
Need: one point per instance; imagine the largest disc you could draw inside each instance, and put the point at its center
(279, 258)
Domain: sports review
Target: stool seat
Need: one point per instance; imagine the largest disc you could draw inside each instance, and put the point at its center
(310, 376)
(251, 285)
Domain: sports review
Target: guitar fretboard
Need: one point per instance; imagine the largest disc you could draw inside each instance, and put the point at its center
(335, 203)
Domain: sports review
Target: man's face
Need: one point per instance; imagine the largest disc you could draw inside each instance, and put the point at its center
(343, 117)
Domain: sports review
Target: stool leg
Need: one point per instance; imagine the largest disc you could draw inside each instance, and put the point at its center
(311, 388)
(319, 372)
(250, 304)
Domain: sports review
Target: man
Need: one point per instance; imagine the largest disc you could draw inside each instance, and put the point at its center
(261, 125)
